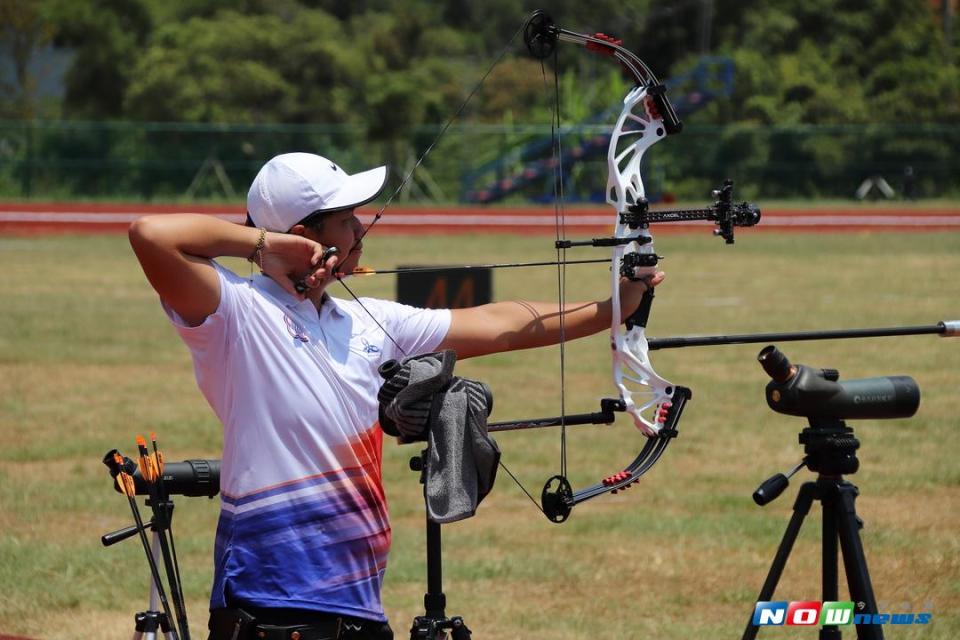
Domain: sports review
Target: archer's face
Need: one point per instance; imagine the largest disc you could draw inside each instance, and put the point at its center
(341, 229)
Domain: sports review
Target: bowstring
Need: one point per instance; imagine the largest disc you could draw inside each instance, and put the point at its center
(473, 91)
(520, 484)
(560, 225)
(372, 317)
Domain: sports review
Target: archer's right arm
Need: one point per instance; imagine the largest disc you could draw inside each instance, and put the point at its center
(175, 250)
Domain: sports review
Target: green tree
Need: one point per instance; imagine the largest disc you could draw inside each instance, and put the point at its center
(108, 37)
(825, 62)
(247, 68)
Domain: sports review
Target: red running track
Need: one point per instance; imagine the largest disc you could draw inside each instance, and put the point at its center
(44, 218)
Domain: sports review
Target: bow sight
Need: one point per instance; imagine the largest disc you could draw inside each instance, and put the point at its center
(724, 212)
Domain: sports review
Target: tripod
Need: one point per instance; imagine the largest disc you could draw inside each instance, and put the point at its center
(434, 624)
(831, 447)
(148, 623)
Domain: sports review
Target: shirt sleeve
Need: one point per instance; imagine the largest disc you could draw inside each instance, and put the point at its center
(416, 330)
(209, 342)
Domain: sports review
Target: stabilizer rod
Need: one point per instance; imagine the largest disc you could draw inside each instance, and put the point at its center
(606, 415)
(945, 328)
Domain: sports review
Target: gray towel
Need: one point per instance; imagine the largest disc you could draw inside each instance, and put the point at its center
(423, 398)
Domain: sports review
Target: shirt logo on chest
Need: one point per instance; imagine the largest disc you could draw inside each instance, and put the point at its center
(295, 329)
(369, 347)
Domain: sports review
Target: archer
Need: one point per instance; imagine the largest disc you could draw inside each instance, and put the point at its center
(291, 373)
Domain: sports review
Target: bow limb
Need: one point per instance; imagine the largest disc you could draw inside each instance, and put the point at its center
(558, 497)
(648, 456)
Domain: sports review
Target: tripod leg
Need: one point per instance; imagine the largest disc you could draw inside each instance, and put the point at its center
(830, 572)
(801, 507)
(854, 559)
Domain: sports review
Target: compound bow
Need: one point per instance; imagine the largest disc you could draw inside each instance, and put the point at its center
(654, 404)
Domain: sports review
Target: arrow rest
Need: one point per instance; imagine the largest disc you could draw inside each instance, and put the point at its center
(633, 261)
(557, 501)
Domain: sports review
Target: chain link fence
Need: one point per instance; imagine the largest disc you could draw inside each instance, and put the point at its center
(68, 160)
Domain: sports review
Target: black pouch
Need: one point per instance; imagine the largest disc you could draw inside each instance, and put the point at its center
(231, 624)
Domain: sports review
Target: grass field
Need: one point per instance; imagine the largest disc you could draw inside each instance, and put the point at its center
(87, 361)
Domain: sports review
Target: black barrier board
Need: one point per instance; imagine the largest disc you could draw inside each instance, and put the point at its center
(444, 289)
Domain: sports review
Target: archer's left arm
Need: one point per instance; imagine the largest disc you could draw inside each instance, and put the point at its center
(515, 325)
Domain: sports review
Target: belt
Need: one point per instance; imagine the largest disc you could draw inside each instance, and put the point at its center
(324, 631)
(240, 624)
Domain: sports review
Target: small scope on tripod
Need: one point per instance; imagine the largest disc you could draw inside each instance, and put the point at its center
(799, 390)
(191, 478)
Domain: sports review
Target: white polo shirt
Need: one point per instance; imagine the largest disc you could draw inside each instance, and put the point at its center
(303, 519)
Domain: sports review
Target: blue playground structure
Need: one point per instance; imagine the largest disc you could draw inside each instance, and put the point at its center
(529, 167)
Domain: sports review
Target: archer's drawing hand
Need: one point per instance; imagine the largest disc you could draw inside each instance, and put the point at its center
(289, 259)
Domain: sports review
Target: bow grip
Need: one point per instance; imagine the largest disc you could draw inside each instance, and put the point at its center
(639, 317)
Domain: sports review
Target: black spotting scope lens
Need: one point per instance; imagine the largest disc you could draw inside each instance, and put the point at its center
(775, 364)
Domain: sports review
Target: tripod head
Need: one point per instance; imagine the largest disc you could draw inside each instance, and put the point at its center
(831, 450)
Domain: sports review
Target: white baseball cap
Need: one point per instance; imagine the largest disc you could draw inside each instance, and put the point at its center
(292, 186)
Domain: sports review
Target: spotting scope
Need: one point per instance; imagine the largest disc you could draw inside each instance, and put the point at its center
(191, 478)
(799, 390)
